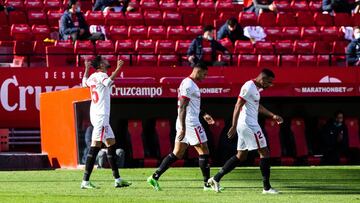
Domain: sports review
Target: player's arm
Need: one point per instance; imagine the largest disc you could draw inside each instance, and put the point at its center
(108, 81)
(184, 102)
(207, 117)
(270, 114)
(86, 74)
(238, 106)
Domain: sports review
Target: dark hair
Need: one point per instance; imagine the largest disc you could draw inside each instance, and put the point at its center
(338, 112)
(71, 2)
(208, 28)
(268, 73)
(232, 22)
(96, 62)
(201, 65)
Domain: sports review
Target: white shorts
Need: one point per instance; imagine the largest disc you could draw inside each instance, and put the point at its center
(102, 129)
(194, 134)
(250, 137)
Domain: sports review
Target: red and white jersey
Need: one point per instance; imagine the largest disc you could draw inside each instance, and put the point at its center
(188, 89)
(100, 84)
(249, 112)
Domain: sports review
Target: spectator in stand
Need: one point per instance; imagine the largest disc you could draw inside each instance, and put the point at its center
(73, 25)
(203, 48)
(6, 9)
(232, 30)
(335, 139)
(353, 49)
(259, 6)
(112, 5)
(340, 6)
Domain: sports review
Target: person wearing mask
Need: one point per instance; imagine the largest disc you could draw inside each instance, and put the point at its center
(259, 6)
(340, 6)
(204, 47)
(353, 49)
(231, 30)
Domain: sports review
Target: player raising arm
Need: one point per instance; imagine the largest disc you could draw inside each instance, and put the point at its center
(100, 84)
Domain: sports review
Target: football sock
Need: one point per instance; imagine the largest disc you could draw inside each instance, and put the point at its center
(90, 161)
(205, 167)
(229, 166)
(165, 164)
(111, 156)
(265, 171)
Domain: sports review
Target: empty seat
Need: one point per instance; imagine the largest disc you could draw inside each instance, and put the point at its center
(284, 47)
(287, 61)
(299, 5)
(153, 18)
(138, 32)
(339, 47)
(323, 60)
(176, 32)
(315, 6)
(355, 19)
(3, 19)
(84, 50)
(168, 5)
(124, 46)
(118, 32)
(243, 47)
(128, 59)
(247, 18)
(193, 31)
(104, 47)
(149, 5)
(307, 60)
(321, 19)
(53, 18)
(224, 6)
(53, 59)
(227, 43)
(207, 18)
(165, 47)
(264, 48)
(182, 46)
(17, 17)
(17, 4)
(5, 33)
(286, 19)
(282, 5)
(303, 47)
(267, 19)
(207, 6)
(40, 32)
(223, 17)
(21, 32)
(310, 33)
(322, 47)
(146, 60)
(168, 60)
(94, 17)
(353, 132)
(342, 19)
(329, 33)
(114, 18)
(54, 5)
(34, 5)
(304, 19)
(37, 18)
(163, 130)
(171, 18)
(134, 18)
(145, 46)
(247, 60)
(267, 61)
(291, 33)
(273, 33)
(157, 32)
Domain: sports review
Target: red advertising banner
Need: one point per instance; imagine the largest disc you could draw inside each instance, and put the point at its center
(20, 87)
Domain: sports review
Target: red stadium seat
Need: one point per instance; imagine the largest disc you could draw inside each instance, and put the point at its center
(114, 18)
(39, 51)
(171, 18)
(339, 47)
(34, 5)
(264, 48)
(168, 60)
(157, 32)
(186, 6)
(299, 5)
(355, 19)
(21, 32)
(310, 33)
(207, 18)
(353, 132)
(206, 5)
(94, 18)
(176, 33)
(273, 33)
(267, 19)
(145, 46)
(282, 5)
(111, 58)
(229, 59)
(342, 19)
(5, 33)
(193, 31)
(118, 32)
(323, 60)
(168, 5)
(315, 6)
(247, 18)
(146, 60)
(287, 61)
(291, 33)
(267, 61)
(330, 33)
(223, 17)
(247, 60)
(83, 47)
(307, 60)
(304, 19)
(104, 47)
(53, 5)
(303, 47)
(23, 47)
(152, 18)
(53, 18)
(149, 5)
(182, 46)
(286, 19)
(284, 47)
(66, 60)
(322, 47)
(3, 19)
(227, 44)
(138, 32)
(134, 18)
(17, 17)
(244, 47)
(321, 19)
(163, 130)
(216, 131)
(165, 47)
(189, 12)
(128, 59)
(40, 32)
(65, 44)
(224, 6)
(17, 4)
(37, 18)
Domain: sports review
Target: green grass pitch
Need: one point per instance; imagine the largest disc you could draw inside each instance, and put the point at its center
(297, 184)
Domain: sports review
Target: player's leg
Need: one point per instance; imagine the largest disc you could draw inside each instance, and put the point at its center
(89, 164)
(204, 165)
(230, 164)
(265, 170)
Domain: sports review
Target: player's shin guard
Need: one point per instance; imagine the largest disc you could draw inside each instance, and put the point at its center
(111, 155)
(205, 167)
(90, 161)
(229, 166)
(265, 171)
(165, 164)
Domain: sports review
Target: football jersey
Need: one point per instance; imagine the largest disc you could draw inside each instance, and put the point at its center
(249, 112)
(189, 89)
(100, 84)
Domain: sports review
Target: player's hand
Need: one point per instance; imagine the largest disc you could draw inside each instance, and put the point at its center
(272, 7)
(191, 59)
(278, 119)
(120, 63)
(87, 64)
(209, 119)
(181, 135)
(231, 133)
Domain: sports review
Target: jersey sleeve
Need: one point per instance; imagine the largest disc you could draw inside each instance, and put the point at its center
(185, 90)
(105, 80)
(245, 92)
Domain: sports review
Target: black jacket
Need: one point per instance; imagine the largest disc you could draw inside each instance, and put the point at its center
(100, 5)
(353, 52)
(67, 26)
(330, 136)
(237, 34)
(196, 49)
